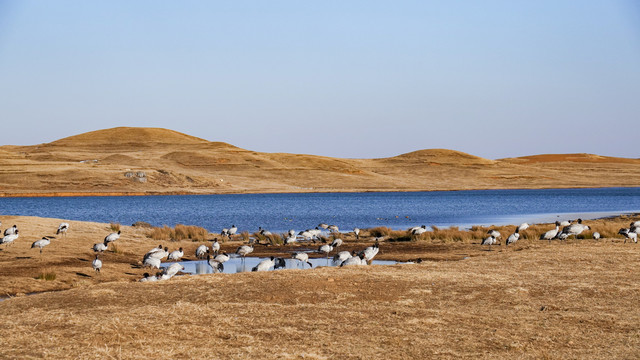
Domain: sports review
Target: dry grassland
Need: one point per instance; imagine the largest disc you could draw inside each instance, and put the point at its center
(535, 300)
(96, 163)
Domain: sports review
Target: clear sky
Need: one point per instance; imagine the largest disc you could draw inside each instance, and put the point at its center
(338, 78)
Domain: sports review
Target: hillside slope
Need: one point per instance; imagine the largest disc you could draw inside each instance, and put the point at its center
(156, 161)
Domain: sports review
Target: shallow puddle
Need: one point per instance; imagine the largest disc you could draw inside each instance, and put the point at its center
(238, 265)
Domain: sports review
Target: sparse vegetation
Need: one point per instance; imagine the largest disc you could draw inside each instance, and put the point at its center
(47, 275)
(116, 250)
(180, 232)
(142, 224)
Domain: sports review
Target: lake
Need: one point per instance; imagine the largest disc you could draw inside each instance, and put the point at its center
(281, 212)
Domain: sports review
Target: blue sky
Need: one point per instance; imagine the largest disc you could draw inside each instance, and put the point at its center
(337, 78)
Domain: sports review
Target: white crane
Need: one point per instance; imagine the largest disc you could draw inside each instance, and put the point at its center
(523, 226)
(302, 258)
(176, 254)
(551, 234)
(202, 251)
(513, 237)
(41, 243)
(112, 237)
(62, 229)
(96, 264)
(490, 240)
(356, 231)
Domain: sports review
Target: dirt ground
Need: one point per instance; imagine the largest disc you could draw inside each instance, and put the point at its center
(535, 300)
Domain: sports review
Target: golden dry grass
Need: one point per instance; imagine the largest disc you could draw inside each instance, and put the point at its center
(179, 232)
(179, 163)
(532, 300)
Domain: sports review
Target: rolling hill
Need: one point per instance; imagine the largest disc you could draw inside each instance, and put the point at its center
(128, 160)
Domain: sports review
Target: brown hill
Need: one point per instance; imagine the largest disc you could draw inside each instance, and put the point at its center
(128, 135)
(155, 161)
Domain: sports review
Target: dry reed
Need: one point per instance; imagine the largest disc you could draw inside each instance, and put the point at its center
(180, 232)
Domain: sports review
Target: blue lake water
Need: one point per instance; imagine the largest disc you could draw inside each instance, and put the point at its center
(280, 212)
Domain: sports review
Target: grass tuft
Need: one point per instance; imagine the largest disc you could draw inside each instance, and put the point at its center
(115, 227)
(47, 276)
(180, 232)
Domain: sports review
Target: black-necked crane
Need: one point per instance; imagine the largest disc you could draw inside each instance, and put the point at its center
(263, 232)
(152, 262)
(265, 264)
(201, 251)
(523, 226)
(356, 231)
(215, 247)
(112, 237)
(342, 256)
(495, 233)
(11, 231)
(244, 250)
(302, 258)
(355, 260)
(9, 239)
(513, 237)
(596, 235)
(334, 228)
(551, 234)
(575, 229)
(215, 265)
(176, 254)
(323, 226)
(290, 239)
(147, 278)
(97, 264)
(171, 271)
(490, 240)
(100, 247)
(157, 253)
(62, 229)
(41, 243)
(336, 243)
(221, 258)
(233, 230)
(371, 251)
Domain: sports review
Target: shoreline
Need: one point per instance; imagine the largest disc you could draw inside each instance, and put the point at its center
(336, 191)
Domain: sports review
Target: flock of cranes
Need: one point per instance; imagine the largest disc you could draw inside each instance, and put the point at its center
(215, 259)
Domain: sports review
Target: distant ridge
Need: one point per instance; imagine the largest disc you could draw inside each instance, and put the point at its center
(129, 135)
